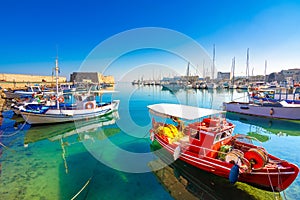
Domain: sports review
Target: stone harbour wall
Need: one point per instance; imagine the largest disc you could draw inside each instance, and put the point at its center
(29, 78)
(13, 81)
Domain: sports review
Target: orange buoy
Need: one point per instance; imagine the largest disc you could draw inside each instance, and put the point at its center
(256, 157)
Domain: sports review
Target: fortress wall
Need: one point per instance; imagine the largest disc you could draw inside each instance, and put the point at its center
(14, 81)
(28, 78)
(106, 79)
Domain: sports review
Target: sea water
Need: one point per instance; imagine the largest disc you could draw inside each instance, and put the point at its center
(108, 158)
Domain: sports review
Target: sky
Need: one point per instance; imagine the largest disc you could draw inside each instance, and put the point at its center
(34, 32)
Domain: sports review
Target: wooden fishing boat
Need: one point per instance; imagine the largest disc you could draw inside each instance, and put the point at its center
(85, 107)
(28, 92)
(203, 138)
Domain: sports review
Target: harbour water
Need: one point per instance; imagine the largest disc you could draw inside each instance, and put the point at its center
(66, 161)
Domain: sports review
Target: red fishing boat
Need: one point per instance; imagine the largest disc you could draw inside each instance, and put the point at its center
(203, 138)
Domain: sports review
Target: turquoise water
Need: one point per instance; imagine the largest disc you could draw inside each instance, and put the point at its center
(108, 158)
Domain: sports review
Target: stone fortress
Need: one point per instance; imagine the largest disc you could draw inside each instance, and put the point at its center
(14, 81)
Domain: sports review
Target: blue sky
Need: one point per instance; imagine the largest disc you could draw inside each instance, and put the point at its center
(33, 30)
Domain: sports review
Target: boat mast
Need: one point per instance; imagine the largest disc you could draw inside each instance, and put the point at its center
(188, 70)
(213, 64)
(232, 69)
(56, 74)
(265, 71)
(203, 65)
(247, 65)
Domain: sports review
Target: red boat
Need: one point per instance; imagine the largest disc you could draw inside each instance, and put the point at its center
(203, 138)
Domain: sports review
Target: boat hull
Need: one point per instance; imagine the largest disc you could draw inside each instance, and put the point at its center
(264, 111)
(271, 179)
(61, 115)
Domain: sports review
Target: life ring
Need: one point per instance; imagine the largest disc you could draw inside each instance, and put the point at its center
(271, 111)
(61, 99)
(53, 98)
(89, 105)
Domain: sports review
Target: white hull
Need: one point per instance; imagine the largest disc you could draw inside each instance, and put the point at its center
(61, 115)
(19, 94)
(265, 111)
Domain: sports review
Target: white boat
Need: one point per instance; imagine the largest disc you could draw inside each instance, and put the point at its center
(233, 86)
(280, 110)
(243, 87)
(29, 91)
(84, 107)
(212, 86)
(16, 106)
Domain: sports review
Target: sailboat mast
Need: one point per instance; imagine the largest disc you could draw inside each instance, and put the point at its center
(265, 71)
(203, 69)
(233, 68)
(56, 73)
(213, 65)
(247, 64)
(188, 70)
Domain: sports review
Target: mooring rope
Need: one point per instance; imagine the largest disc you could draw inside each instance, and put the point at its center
(63, 155)
(81, 189)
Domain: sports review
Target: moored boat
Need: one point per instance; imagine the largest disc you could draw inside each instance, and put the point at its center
(203, 138)
(278, 110)
(28, 92)
(84, 107)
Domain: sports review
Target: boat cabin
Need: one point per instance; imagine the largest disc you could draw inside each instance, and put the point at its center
(204, 131)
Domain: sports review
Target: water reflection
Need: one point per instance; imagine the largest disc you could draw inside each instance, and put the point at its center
(274, 126)
(86, 129)
(55, 163)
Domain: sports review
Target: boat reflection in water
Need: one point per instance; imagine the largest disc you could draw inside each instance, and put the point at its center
(279, 127)
(199, 184)
(86, 129)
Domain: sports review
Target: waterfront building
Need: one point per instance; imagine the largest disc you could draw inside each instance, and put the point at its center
(223, 75)
(90, 77)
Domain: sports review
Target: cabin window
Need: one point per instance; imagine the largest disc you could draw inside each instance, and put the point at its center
(217, 138)
(90, 98)
(195, 134)
(221, 136)
(35, 89)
